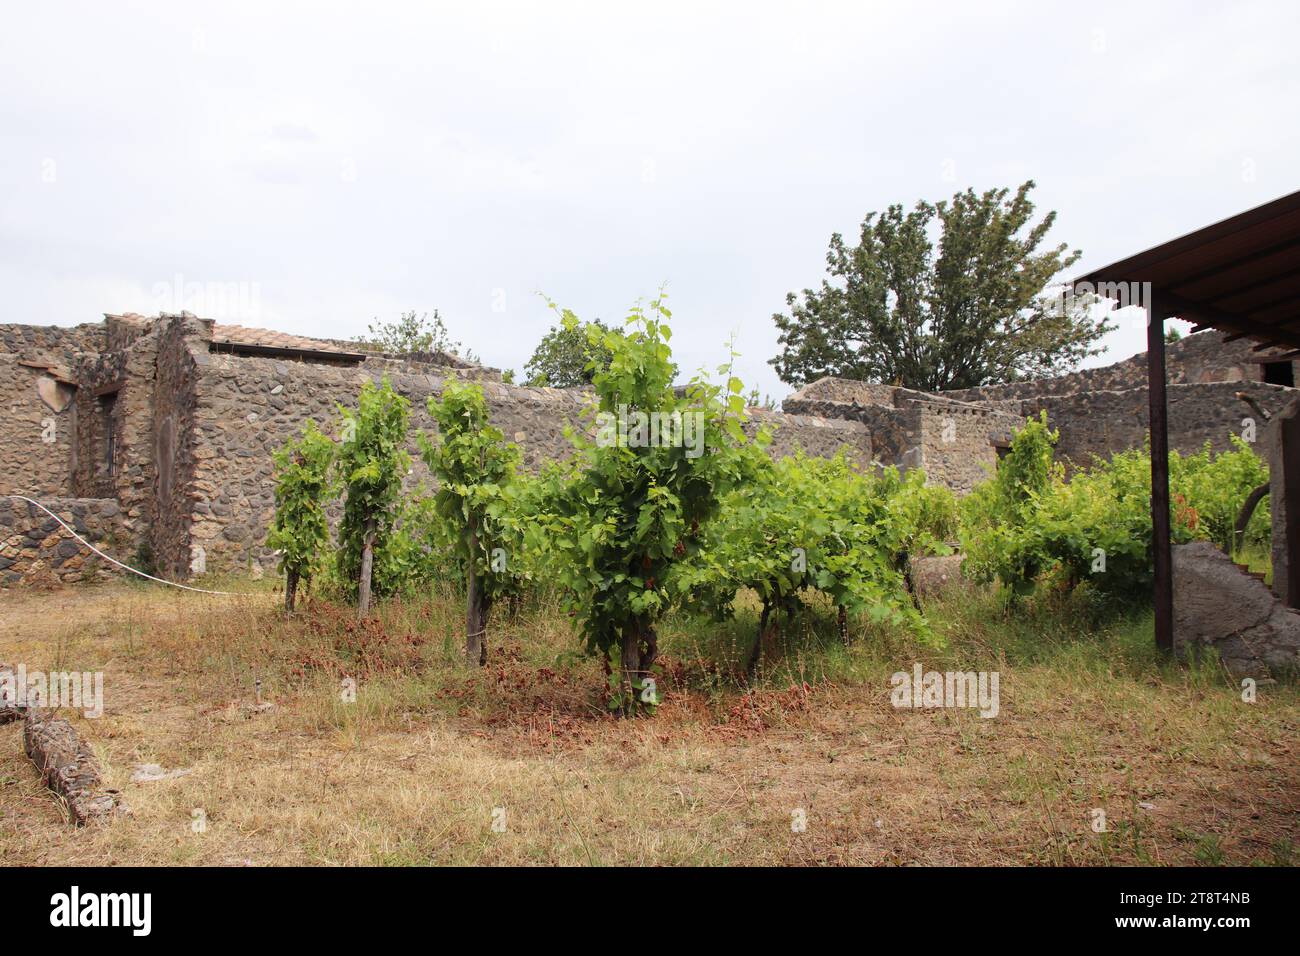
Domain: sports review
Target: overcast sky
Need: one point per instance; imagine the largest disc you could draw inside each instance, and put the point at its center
(314, 166)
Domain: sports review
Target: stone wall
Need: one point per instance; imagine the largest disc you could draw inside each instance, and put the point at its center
(37, 440)
(39, 411)
(61, 344)
(1101, 423)
(246, 407)
(1193, 360)
(894, 431)
(115, 399)
(172, 443)
(193, 430)
(67, 766)
(1098, 411)
(957, 448)
(952, 441)
(36, 550)
(846, 391)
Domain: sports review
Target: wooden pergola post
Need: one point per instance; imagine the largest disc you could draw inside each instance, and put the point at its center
(1161, 552)
(1241, 277)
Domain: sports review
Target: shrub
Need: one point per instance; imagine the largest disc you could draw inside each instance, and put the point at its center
(371, 463)
(629, 510)
(475, 469)
(1028, 522)
(809, 524)
(300, 530)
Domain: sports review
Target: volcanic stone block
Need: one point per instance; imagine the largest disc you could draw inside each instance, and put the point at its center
(68, 767)
(1217, 605)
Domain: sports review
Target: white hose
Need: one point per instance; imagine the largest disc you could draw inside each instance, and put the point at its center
(183, 587)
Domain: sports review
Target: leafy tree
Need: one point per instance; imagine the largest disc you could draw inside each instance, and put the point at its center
(475, 469)
(412, 333)
(371, 463)
(300, 529)
(975, 310)
(567, 358)
(631, 507)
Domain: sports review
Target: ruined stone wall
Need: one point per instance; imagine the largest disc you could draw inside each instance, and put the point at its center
(957, 449)
(1194, 359)
(847, 391)
(37, 443)
(49, 342)
(1101, 423)
(1098, 411)
(172, 443)
(36, 551)
(115, 397)
(815, 436)
(100, 375)
(247, 407)
(952, 441)
(894, 431)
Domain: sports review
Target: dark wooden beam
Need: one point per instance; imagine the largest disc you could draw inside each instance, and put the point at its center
(1161, 549)
(1244, 287)
(1175, 306)
(1288, 297)
(1237, 263)
(1265, 346)
(1208, 317)
(1268, 223)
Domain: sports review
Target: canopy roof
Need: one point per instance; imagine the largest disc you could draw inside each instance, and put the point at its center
(1241, 275)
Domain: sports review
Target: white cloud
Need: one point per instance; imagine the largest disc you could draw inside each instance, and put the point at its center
(355, 161)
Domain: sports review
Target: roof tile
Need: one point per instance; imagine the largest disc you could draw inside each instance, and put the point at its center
(266, 338)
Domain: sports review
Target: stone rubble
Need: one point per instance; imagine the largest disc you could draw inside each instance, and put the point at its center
(1216, 605)
(69, 768)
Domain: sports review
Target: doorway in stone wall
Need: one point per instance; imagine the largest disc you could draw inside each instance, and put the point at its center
(106, 427)
(1278, 373)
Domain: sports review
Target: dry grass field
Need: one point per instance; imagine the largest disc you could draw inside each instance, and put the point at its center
(431, 753)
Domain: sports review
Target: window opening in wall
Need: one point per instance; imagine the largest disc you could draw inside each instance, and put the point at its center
(1279, 373)
(107, 404)
(1002, 448)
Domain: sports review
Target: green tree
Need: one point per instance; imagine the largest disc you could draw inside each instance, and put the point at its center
(566, 357)
(412, 333)
(371, 463)
(475, 468)
(300, 530)
(977, 309)
(634, 504)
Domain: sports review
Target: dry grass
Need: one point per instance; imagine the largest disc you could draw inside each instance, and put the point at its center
(411, 773)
